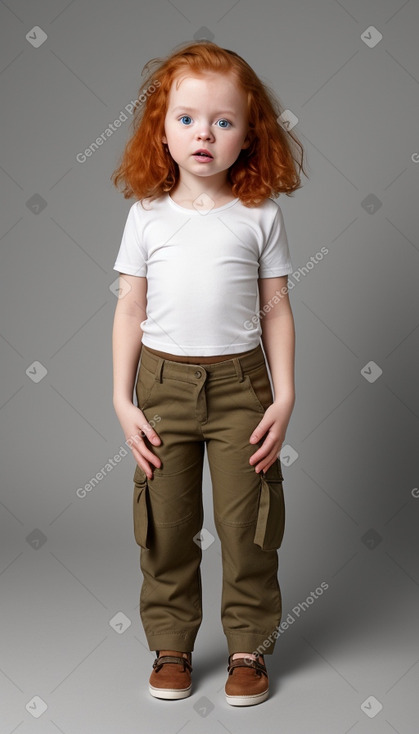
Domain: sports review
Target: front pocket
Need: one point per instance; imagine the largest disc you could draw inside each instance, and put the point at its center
(146, 381)
(270, 523)
(140, 508)
(259, 386)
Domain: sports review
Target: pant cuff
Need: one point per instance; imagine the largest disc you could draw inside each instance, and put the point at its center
(259, 644)
(179, 641)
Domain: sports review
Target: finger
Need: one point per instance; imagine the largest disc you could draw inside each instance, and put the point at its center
(146, 467)
(147, 431)
(263, 466)
(263, 451)
(142, 452)
(260, 430)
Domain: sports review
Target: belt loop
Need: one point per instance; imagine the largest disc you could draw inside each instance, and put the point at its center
(239, 370)
(159, 369)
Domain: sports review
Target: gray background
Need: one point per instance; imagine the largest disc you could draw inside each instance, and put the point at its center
(70, 565)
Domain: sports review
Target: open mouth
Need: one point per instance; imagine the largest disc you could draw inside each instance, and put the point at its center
(203, 155)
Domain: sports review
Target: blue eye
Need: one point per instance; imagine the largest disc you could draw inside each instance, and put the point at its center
(226, 124)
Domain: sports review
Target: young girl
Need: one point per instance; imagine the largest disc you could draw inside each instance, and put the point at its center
(201, 244)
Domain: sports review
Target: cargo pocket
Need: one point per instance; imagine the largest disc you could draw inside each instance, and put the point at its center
(140, 508)
(270, 522)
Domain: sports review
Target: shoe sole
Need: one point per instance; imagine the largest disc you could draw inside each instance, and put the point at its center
(170, 693)
(247, 700)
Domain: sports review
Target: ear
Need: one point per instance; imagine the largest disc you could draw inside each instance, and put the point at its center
(246, 143)
(164, 140)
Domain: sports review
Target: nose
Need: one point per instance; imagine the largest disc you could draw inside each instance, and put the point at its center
(204, 132)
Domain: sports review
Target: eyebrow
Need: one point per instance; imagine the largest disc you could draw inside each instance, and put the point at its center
(191, 109)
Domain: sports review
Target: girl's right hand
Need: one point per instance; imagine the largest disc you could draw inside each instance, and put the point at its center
(138, 434)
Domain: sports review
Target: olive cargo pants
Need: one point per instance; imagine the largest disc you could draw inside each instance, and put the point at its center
(217, 404)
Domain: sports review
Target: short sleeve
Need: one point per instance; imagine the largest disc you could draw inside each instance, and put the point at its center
(275, 259)
(132, 258)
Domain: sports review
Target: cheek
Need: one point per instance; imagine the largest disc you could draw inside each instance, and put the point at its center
(233, 145)
(177, 135)
(171, 130)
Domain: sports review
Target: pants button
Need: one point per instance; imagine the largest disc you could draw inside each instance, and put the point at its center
(198, 373)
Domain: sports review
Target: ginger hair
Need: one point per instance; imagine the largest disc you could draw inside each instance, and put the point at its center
(271, 164)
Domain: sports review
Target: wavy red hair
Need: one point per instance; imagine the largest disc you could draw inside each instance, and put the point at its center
(268, 167)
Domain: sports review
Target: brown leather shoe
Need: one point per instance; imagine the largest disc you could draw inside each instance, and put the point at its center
(171, 675)
(247, 681)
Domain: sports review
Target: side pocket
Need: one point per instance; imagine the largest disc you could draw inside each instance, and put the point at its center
(140, 508)
(270, 523)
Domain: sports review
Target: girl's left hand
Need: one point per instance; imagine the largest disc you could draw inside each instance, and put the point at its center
(274, 424)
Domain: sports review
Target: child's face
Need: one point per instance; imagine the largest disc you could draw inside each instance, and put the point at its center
(208, 113)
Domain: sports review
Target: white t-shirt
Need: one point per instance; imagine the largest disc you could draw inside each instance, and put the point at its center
(202, 270)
